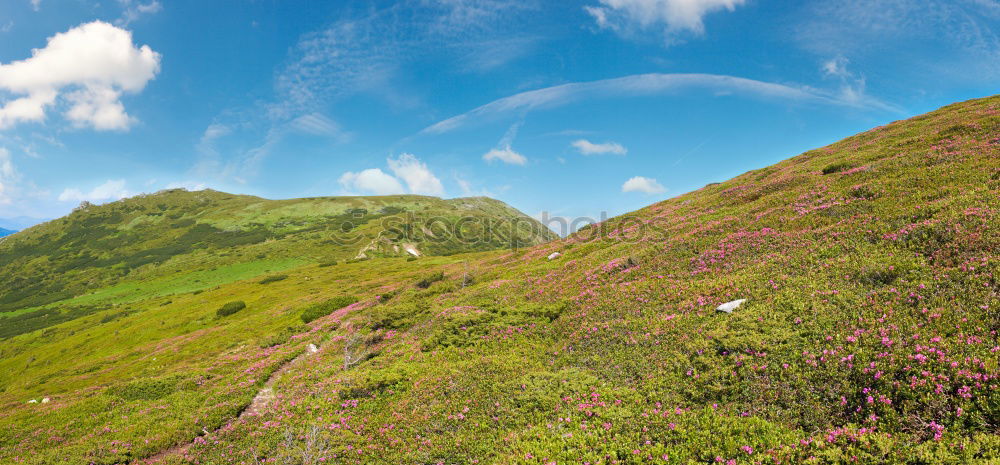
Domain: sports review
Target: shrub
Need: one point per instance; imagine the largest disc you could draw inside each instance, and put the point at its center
(316, 311)
(146, 389)
(230, 308)
(274, 279)
(282, 336)
(836, 167)
(432, 278)
(396, 316)
(328, 264)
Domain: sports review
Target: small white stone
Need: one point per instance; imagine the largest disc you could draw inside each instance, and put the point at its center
(555, 255)
(32, 401)
(728, 307)
(45, 400)
(312, 348)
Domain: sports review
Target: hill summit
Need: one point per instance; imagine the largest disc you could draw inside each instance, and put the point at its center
(837, 307)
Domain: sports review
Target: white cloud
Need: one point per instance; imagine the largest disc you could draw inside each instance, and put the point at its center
(406, 169)
(317, 125)
(134, 11)
(506, 155)
(852, 86)
(371, 181)
(92, 65)
(644, 85)
(643, 184)
(7, 177)
(36, 4)
(109, 191)
(188, 185)
(836, 67)
(587, 147)
(419, 179)
(673, 15)
(956, 39)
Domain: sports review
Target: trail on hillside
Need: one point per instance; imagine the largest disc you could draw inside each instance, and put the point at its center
(260, 401)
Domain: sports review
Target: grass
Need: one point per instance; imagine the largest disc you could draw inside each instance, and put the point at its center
(869, 335)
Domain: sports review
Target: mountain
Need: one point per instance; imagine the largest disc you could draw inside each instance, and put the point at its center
(6, 232)
(152, 236)
(868, 333)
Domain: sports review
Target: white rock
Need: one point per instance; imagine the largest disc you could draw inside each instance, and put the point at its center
(45, 400)
(312, 348)
(32, 401)
(555, 255)
(728, 307)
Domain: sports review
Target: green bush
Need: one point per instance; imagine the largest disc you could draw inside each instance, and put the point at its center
(273, 279)
(432, 278)
(230, 308)
(396, 316)
(282, 336)
(836, 167)
(328, 264)
(322, 309)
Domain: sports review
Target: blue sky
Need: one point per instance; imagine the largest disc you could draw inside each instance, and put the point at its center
(572, 107)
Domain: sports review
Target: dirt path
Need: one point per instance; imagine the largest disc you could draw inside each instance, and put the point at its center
(260, 401)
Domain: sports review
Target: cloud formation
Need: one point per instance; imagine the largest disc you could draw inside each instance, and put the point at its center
(89, 68)
(644, 185)
(506, 155)
(7, 177)
(672, 15)
(135, 10)
(371, 181)
(407, 168)
(586, 147)
(108, 192)
(646, 85)
(419, 179)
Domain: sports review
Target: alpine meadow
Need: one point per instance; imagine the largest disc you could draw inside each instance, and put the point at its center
(354, 303)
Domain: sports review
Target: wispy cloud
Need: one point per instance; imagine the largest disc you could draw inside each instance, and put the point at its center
(670, 16)
(503, 151)
(644, 85)
(586, 147)
(957, 38)
(133, 10)
(109, 191)
(506, 155)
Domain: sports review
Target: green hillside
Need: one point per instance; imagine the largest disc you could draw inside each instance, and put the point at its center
(151, 239)
(869, 333)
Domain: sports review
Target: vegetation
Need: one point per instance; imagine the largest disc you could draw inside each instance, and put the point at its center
(316, 311)
(869, 334)
(230, 308)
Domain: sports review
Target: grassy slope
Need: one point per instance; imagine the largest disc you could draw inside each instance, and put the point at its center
(870, 334)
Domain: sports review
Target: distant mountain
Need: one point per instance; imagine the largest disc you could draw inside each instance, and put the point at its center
(6, 232)
(171, 231)
(20, 223)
